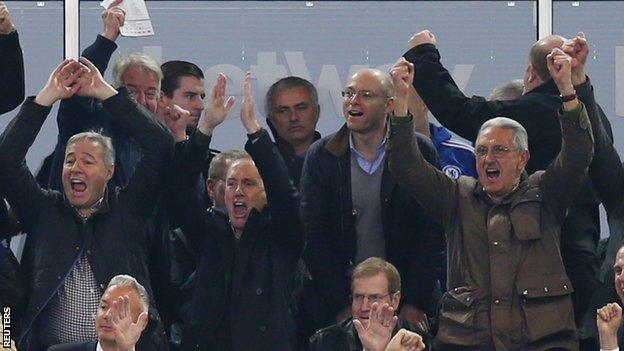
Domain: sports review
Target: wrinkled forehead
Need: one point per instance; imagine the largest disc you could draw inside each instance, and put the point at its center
(85, 146)
(112, 293)
(243, 168)
(140, 76)
(494, 135)
(619, 258)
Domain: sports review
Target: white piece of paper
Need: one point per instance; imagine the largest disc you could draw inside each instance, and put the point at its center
(137, 21)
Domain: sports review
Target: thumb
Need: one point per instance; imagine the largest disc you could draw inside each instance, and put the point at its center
(359, 327)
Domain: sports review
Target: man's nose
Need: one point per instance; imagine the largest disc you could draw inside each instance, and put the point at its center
(140, 98)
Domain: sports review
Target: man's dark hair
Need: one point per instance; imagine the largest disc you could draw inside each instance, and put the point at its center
(539, 51)
(173, 71)
(289, 83)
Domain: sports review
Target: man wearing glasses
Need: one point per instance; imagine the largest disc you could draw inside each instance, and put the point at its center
(352, 209)
(374, 281)
(507, 286)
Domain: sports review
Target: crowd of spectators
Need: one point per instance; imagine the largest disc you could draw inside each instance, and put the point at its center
(393, 233)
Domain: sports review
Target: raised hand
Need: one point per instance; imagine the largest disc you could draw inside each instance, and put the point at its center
(578, 50)
(406, 340)
(609, 318)
(127, 332)
(381, 322)
(62, 83)
(422, 37)
(560, 67)
(402, 74)
(176, 118)
(113, 18)
(92, 84)
(248, 111)
(217, 107)
(6, 24)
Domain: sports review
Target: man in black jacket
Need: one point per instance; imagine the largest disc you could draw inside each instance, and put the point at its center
(248, 260)
(84, 236)
(536, 110)
(11, 63)
(352, 209)
(374, 281)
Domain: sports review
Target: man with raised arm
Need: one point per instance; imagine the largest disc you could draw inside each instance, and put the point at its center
(536, 110)
(507, 287)
(248, 258)
(87, 234)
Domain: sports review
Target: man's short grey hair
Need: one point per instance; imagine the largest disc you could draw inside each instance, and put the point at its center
(510, 90)
(129, 282)
(521, 139)
(218, 164)
(104, 141)
(147, 63)
(289, 83)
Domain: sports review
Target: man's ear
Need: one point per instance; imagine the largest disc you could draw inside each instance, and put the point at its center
(524, 159)
(532, 76)
(110, 170)
(389, 105)
(210, 187)
(142, 320)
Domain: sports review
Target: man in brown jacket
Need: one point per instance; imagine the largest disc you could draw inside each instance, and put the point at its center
(507, 287)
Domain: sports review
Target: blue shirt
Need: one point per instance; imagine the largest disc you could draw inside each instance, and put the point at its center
(366, 165)
(456, 156)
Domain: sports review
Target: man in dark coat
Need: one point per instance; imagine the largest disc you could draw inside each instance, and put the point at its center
(84, 236)
(352, 208)
(374, 281)
(248, 259)
(536, 110)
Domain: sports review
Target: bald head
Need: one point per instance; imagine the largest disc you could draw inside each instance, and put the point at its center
(382, 77)
(539, 51)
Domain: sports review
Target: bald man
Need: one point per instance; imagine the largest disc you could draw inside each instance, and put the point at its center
(352, 209)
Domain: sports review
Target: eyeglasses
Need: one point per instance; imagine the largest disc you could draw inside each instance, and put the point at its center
(364, 94)
(497, 150)
(359, 298)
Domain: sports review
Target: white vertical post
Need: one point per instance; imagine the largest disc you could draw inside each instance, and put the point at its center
(544, 18)
(72, 28)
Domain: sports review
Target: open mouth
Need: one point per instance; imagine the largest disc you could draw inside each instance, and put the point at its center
(492, 173)
(78, 186)
(240, 209)
(355, 113)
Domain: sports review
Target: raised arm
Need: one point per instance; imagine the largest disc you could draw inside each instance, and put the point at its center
(430, 187)
(189, 162)
(434, 84)
(155, 141)
(282, 196)
(568, 171)
(17, 183)
(11, 63)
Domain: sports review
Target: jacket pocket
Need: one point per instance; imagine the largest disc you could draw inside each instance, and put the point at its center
(546, 305)
(457, 318)
(525, 215)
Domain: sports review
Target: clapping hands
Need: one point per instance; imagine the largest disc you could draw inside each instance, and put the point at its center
(74, 77)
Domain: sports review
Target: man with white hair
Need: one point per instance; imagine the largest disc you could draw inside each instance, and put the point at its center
(507, 286)
(120, 320)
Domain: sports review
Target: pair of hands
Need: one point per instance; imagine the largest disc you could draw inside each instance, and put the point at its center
(608, 319)
(6, 24)
(219, 106)
(377, 336)
(127, 332)
(74, 77)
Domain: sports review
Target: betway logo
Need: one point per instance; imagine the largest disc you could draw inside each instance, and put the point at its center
(328, 83)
